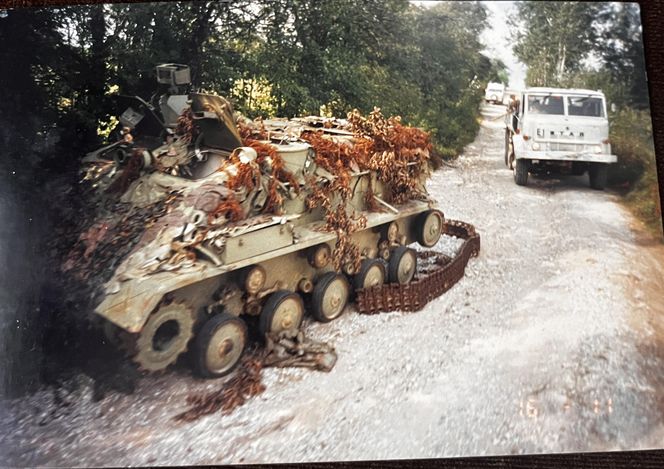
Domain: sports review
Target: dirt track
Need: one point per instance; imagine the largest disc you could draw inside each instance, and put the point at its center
(553, 342)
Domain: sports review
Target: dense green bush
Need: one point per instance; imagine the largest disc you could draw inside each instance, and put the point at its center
(636, 173)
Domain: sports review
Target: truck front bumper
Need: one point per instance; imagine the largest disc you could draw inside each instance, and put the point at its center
(586, 157)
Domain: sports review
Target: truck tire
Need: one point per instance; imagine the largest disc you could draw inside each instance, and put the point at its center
(598, 174)
(521, 167)
(507, 147)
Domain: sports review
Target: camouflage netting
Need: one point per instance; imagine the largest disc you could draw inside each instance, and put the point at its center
(398, 155)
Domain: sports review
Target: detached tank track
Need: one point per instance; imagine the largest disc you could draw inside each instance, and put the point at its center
(434, 278)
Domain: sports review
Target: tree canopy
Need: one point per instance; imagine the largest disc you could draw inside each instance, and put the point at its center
(587, 44)
(271, 57)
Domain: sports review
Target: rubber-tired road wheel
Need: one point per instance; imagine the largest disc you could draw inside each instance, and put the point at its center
(282, 310)
(507, 147)
(402, 266)
(429, 228)
(219, 345)
(330, 297)
(372, 274)
(521, 171)
(598, 174)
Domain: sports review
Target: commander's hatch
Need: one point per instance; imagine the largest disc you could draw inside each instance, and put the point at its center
(214, 117)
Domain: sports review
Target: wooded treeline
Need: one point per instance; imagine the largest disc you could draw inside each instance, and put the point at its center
(272, 57)
(61, 67)
(598, 46)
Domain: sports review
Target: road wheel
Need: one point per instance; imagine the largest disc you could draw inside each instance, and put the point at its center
(507, 147)
(219, 345)
(283, 310)
(521, 171)
(164, 337)
(429, 228)
(330, 297)
(402, 266)
(598, 174)
(371, 274)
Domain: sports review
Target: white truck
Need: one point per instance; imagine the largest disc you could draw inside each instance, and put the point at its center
(494, 93)
(558, 130)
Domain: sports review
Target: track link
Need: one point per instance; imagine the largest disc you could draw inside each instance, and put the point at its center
(436, 274)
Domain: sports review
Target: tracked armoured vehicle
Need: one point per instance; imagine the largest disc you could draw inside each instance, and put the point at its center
(206, 223)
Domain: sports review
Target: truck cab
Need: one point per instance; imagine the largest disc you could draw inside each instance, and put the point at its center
(558, 130)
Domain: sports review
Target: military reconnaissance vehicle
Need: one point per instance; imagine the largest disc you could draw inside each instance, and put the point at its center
(559, 129)
(206, 220)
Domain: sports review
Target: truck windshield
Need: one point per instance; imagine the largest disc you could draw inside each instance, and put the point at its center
(549, 104)
(585, 106)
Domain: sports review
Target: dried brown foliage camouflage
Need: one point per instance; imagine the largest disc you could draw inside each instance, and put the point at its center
(397, 153)
(245, 383)
(228, 208)
(186, 128)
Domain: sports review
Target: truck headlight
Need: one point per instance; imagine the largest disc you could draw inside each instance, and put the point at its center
(536, 146)
(598, 149)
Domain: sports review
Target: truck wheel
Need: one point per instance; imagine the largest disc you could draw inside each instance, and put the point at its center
(330, 297)
(507, 147)
(219, 345)
(598, 174)
(402, 266)
(521, 168)
(371, 274)
(429, 227)
(283, 310)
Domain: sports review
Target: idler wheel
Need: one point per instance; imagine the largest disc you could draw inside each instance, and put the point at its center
(330, 297)
(372, 274)
(429, 228)
(164, 337)
(402, 266)
(283, 310)
(219, 345)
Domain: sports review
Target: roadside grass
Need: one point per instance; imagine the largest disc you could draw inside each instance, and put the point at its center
(635, 174)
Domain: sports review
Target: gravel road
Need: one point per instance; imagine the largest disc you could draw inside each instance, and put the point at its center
(553, 342)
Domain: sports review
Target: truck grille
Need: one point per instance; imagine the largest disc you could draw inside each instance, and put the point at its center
(557, 146)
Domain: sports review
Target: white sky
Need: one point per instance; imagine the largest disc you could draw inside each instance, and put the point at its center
(496, 39)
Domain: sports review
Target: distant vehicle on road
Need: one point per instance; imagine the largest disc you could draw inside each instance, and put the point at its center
(494, 93)
(562, 130)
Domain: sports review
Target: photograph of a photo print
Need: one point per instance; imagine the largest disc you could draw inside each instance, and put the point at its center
(268, 231)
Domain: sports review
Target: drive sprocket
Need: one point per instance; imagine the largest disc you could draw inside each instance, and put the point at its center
(164, 337)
